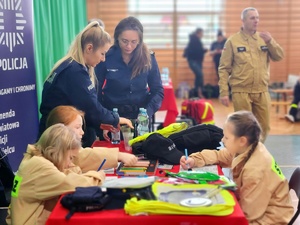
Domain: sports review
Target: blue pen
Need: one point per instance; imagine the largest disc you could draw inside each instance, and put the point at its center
(104, 160)
(186, 158)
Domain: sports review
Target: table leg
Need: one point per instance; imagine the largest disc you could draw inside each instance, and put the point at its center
(277, 98)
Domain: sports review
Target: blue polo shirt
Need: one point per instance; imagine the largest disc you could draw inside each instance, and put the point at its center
(126, 93)
(70, 84)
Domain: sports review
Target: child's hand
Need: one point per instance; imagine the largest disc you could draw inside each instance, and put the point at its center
(187, 164)
(127, 158)
(102, 175)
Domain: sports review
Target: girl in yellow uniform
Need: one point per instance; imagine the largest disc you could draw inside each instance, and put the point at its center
(262, 189)
(41, 177)
(88, 158)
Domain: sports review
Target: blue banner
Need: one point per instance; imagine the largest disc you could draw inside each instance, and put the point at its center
(18, 98)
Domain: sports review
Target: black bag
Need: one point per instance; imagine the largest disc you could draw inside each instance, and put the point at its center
(6, 180)
(193, 93)
(210, 91)
(197, 138)
(84, 199)
(119, 196)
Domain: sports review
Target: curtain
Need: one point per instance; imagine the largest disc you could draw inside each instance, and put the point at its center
(56, 23)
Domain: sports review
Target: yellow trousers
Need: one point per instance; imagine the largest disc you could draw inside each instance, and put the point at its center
(259, 104)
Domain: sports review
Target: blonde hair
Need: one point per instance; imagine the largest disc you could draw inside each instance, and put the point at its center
(64, 114)
(55, 143)
(93, 34)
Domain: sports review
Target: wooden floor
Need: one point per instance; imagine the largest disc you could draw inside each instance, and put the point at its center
(279, 125)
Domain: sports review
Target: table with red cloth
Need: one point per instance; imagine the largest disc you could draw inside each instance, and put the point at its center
(119, 217)
(169, 104)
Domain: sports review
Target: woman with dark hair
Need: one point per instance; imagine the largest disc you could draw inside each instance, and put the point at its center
(129, 78)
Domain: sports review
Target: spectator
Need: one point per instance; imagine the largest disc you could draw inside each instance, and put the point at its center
(101, 23)
(194, 52)
(216, 49)
(245, 65)
(294, 108)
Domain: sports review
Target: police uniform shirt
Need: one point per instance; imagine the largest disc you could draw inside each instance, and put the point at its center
(120, 89)
(70, 84)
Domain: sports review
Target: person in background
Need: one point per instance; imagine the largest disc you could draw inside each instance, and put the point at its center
(244, 64)
(294, 108)
(88, 158)
(216, 49)
(129, 79)
(101, 23)
(262, 190)
(194, 52)
(40, 179)
(72, 81)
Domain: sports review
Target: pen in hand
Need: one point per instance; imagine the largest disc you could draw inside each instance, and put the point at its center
(101, 165)
(186, 158)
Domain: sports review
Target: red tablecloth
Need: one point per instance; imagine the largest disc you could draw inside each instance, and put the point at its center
(169, 104)
(118, 216)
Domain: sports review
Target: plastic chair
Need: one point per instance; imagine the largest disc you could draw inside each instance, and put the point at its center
(294, 184)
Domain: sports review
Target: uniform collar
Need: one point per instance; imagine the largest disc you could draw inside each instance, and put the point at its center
(247, 36)
(115, 51)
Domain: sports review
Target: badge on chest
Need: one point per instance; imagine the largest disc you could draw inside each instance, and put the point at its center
(241, 49)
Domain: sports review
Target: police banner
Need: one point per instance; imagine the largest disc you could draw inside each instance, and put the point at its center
(18, 98)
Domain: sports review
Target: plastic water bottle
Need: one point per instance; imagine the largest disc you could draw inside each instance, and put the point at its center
(143, 122)
(165, 76)
(115, 137)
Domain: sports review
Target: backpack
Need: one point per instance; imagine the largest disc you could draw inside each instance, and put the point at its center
(199, 109)
(84, 199)
(210, 91)
(197, 138)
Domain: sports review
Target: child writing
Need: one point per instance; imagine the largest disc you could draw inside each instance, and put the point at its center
(262, 190)
(88, 158)
(41, 180)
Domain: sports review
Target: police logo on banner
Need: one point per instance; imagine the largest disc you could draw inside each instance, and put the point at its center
(18, 107)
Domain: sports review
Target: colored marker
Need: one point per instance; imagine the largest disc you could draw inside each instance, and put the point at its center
(186, 158)
(100, 167)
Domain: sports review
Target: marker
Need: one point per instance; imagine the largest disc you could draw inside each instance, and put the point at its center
(186, 158)
(104, 160)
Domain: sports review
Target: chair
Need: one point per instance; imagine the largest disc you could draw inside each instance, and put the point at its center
(294, 184)
(3, 214)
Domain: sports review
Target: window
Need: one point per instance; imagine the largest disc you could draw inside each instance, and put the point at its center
(169, 22)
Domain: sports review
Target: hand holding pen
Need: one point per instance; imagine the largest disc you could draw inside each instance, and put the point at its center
(186, 162)
(101, 165)
(186, 158)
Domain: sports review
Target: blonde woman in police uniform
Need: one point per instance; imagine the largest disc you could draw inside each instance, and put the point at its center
(244, 64)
